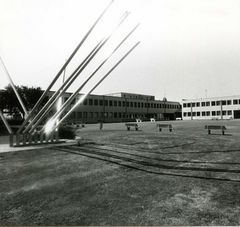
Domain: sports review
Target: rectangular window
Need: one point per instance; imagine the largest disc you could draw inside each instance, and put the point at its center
(101, 102)
(119, 103)
(184, 105)
(131, 104)
(213, 113)
(229, 112)
(127, 104)
(110, 103)
(193, 104)
(189, 114)
(115, 103)
(224, 102)
(203, 104)
(95, 102)
(85, 114)
(235, 102)
(194, 114)
(115, 114)
(224, 112)
(85, 102)
(218, 103)
(208, 113)
(198, 114)
(188, 104)
(123, 103)
(203, 113)
(218, 113)
(184, 114)
(135, 104)
(79, 114)
(229, 102)
(198, 104)
(213, 103)
(207, 103)
(105, 102)
(90, 102)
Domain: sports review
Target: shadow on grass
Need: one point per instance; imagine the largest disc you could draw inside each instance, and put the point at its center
(145, 164)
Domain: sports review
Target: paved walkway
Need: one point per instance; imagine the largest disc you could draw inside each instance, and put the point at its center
(4, 145)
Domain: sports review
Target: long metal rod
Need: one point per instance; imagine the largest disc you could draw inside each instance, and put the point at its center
(63, 68)
(71, 98)
(106, 75)
(13, 87)
(69, 82)
(59, 92)
(6, 123)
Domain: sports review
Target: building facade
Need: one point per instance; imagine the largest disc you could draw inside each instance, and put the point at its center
(122, 107)
(211, 108)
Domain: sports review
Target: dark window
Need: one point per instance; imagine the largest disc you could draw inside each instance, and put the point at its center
(224, 102)
(85, 114)
(218, 103)
(189, 114)
(131, 104)
(207, 103)
(106, 102)
(193, 104)
(95, 102)
(184, 105)
(119, 103)
(229, 102)
(85, 102)
(101, 102)
(203, 104)
(213, 103)
(203, 113)
(115, 114)
(208, 113)
(218, 113)
(123, 103)
(224, 112)
(184, 114)
(213, 113)
(235, 101)
(155, 106)
(79, 114)
(135, 104)
(127, 103)
(188, 104)
(198, 104)
(110, 103)
(194, 114)
(90, 102)
(115, 103)
(198, 114)
(229, 112)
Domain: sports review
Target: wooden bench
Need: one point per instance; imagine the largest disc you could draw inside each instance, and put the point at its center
(215, 127)
(161, 126)
(129, 125)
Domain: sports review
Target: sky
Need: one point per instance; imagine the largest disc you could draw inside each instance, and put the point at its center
(189, 48)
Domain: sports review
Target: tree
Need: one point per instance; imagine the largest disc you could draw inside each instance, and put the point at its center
(9, 101)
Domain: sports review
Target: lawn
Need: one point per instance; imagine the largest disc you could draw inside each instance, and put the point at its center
(120, 177)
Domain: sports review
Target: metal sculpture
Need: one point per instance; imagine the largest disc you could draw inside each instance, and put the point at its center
(30, 132)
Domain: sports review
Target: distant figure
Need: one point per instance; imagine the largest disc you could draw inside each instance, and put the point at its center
(101, 125)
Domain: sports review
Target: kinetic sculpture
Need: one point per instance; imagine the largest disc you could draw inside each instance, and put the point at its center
(30, 132)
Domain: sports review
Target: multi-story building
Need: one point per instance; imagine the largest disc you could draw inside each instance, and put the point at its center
(211, 108)
(120, 107)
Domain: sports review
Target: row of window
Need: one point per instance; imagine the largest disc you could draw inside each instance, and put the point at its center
(207, 113)
(96, 115)
(212, 103)
(115, 103)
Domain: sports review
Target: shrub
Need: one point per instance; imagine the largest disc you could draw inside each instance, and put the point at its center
(66, 132)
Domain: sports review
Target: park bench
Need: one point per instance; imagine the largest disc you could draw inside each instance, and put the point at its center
(215, 127)
(129, 125)
(161, 126)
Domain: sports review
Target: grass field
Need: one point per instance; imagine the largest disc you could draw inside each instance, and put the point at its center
(120, 177)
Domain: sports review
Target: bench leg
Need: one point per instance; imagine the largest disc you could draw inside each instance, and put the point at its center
(209, 131)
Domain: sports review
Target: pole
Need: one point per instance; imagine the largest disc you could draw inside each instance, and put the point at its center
(72, 78)
(13, 87)
(106, 75)
(71, 98)
(63, 67)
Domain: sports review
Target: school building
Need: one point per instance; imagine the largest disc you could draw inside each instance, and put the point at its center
(122, 107)
(211, 108)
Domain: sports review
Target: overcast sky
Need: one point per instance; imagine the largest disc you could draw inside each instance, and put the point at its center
(189, 48)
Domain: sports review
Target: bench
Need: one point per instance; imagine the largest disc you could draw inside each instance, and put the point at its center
(129, 125)
(215, 127)
(161, 126)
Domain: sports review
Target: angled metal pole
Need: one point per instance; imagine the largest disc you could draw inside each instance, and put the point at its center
(81, 100)
(13, 87)
(6, 123)
(63, 67)
(71, 98)
(71, 80)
